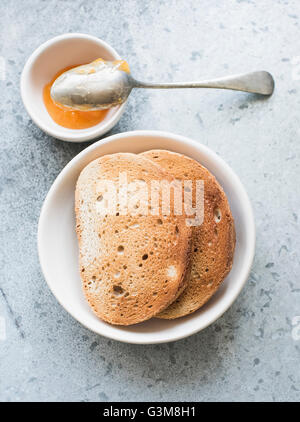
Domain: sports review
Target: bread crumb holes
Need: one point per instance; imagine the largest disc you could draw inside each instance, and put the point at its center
(218, 215)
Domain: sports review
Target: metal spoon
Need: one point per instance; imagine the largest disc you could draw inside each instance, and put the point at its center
(100, 85)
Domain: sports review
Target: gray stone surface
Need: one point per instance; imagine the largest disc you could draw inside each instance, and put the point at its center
(248, 354)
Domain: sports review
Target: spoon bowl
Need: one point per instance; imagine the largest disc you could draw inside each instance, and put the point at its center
(96, 86)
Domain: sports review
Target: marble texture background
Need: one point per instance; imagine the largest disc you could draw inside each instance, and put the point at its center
(252, 353)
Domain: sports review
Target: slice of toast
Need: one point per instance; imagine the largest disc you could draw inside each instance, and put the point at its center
(132, 265)
(213, 240)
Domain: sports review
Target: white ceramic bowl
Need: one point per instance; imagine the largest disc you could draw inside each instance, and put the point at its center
(48, 59)
(58, 250)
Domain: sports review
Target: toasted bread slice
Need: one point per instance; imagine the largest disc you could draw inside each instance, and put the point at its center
(132, 265)
(213, 241)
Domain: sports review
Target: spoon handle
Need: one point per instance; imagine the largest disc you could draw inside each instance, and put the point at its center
(259, 82)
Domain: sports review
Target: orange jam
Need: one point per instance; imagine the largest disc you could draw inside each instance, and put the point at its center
(122, 64)
(70, 118)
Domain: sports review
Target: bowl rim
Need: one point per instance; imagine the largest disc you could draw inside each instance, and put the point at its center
(90, 133)
(246, 207)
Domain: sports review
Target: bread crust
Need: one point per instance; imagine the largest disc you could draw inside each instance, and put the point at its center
(213, 241)
(132, 267)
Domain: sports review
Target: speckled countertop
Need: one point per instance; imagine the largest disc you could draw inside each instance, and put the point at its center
(253, 351)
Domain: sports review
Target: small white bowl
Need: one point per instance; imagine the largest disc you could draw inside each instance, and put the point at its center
(48, 59)
(58, 249)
